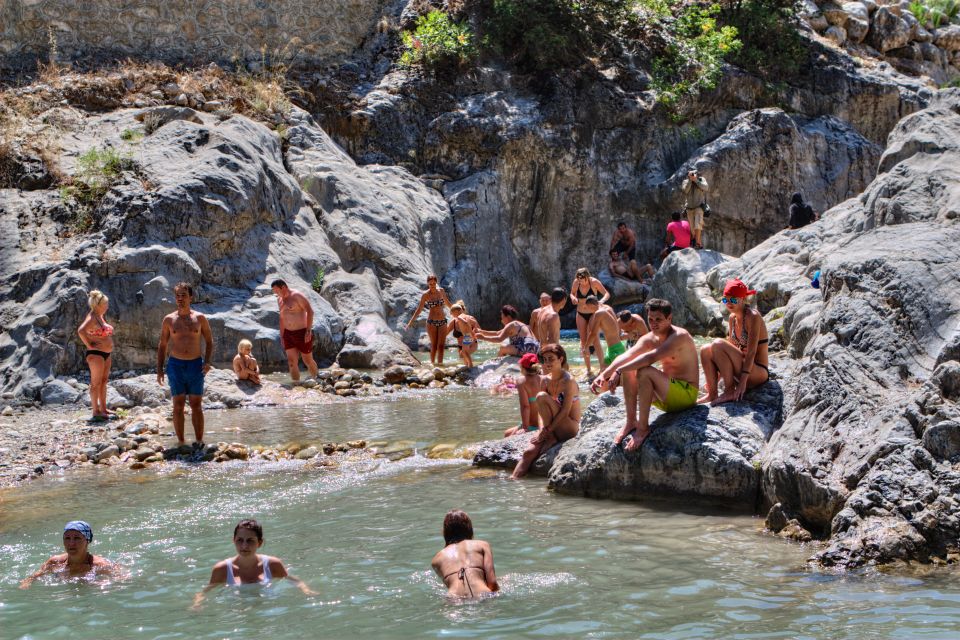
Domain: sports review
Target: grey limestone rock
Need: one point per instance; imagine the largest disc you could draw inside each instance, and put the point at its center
(682, 281)
(58, 392)
(888, 30)
(506, 453)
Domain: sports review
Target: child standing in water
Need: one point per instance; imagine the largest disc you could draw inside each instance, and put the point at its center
(527, 391)
(244, 364)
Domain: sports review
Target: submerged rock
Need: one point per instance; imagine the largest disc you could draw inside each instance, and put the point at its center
(506, 453)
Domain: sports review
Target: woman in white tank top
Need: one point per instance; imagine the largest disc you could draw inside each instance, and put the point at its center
(248, 566)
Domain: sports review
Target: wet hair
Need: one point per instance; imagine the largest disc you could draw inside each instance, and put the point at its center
(184, 285)
(660, 305)
(591, 299)
(625, 315)
(244, 344)
(433, 276)
(459, 305)
(621, 224)
(510, 311)
(457, 526)
(583, 271)
(251, 524)
(556, 350)
(558, 295)
(280, 284)
(95, 298)
(675, 216)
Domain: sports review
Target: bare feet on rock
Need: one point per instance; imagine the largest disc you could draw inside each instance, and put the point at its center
(637, 438)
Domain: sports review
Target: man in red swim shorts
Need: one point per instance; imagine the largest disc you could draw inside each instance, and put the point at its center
(296, 328)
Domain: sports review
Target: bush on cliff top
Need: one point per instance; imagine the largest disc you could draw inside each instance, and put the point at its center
(772, 46)
(437, 42)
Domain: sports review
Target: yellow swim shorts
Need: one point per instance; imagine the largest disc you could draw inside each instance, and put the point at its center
(681, 395)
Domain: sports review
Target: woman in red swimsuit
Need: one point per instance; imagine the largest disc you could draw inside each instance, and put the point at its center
(97, 337)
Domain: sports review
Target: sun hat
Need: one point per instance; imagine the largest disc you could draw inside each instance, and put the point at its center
(737, 289)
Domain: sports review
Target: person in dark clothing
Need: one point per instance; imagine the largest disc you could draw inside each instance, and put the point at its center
(801, 213)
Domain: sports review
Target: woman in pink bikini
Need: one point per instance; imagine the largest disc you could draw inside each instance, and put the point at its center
(97, 337)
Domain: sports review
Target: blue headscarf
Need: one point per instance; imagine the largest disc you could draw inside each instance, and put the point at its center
(82, 527)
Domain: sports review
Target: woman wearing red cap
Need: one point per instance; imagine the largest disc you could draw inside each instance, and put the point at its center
(527, 392)
(741, 360)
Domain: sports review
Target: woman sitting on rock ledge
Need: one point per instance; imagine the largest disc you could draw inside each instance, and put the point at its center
(97, 337)
(527, 393)
(740, 360)
(558, 405)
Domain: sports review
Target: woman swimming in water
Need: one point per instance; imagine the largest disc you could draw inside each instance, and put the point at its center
(77, 561)
(558, 405)
(434, 299)
(465, 328)
(248, 567)
(740, 360)
(465, 565)
(578, 294)
(527, 391)
(521, 338)
(97, 337)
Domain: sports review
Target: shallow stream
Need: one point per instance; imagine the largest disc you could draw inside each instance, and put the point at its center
(362, 535)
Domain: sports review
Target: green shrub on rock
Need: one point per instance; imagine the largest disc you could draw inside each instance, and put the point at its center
(436, 42)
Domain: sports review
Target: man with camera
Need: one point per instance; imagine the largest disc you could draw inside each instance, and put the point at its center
(695, 191)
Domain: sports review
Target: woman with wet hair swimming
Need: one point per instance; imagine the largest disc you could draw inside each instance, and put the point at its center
(521, 338)
(465, 565)
(558, 405)
(248, 567)
(740, 359)
(465, 328)
(527, 391)
(97, 337)
(579, 294)
(77, 561)
(434, 299)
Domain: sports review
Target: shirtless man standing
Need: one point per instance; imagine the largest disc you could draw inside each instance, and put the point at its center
(605, 321)
(185, 368)
(632, 326)
(624, 241)
(535, 315)
(296, 328)
(674, 388)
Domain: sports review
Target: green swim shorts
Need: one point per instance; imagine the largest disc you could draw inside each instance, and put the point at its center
(681, 395)
(614, 350)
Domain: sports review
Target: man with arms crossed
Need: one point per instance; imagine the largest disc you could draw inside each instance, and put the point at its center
(672, 388)
(296, 328)
(185, 368)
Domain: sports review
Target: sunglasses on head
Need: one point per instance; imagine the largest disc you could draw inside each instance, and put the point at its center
(726, 300)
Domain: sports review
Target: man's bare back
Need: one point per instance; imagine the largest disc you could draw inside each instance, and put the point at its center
(605, 321)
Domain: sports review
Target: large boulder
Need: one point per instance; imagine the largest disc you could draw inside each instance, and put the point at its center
(888, 30)
(490, 373)
(705, 454)
(682, 280)
(623, 291)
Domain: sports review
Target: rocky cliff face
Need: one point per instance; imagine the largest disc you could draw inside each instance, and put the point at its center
(220, 204)
(866, 453)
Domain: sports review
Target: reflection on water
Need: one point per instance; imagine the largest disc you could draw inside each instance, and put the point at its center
(362, 535)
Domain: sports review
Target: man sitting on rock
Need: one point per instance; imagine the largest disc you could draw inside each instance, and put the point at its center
(185, 369)
(624, 241)
(603, 320)
(620, 269)
(296, 329)
(678, 235)
(672, 388)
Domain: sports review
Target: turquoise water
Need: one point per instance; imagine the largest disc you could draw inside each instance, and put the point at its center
(363, 534)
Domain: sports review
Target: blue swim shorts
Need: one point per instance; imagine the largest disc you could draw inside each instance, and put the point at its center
(185, 376)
